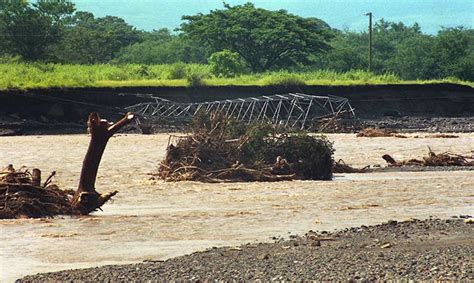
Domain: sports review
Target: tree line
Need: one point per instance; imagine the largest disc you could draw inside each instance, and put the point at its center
(234, 39)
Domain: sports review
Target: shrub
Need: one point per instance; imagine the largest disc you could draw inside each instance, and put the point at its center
(143, 71)
(285, 79)
(310, 157)
(178, 71)
(389, 78)
(10, 59)
(226, 64)
(196, 78)
(452, 79)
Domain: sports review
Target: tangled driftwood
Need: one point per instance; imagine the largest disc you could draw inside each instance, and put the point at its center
(341, 167)
(336, 124)
(23, 195)
(374, 133)
(433, 159)
(441, 136)
(221, 149)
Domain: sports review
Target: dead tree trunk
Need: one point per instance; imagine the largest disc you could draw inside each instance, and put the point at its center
(87, 199)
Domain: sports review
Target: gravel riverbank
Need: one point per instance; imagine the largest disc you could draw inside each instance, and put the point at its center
(13, 126)
(416, 249)
(421, 124)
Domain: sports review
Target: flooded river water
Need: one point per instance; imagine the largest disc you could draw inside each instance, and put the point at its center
(156, 220)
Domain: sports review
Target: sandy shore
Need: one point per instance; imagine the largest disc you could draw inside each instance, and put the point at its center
(430, 249)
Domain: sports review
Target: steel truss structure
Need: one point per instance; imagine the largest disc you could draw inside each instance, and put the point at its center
(292, 109)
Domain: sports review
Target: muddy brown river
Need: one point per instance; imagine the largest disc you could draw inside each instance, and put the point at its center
(156, 220)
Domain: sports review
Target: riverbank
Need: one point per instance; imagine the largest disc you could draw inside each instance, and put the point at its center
(431, 249)
(412, 107)
(11, 126)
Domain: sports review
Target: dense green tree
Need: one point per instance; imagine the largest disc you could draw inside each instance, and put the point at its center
(226, 63)
(161, 47)
(387, 36)
(453, 53)
(5, 46)
(89, 40)
(159, 36)
(413, 59)
(349, 52)
(29, 29)
(45, 30)
(264, 39)
(405, 51)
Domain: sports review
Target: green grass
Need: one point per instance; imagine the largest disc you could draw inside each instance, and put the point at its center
(35, 75)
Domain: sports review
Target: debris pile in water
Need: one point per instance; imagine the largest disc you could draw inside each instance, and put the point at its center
(341, 167)
(23, 195)
(433, 159)
(375, 133)
(222, 149)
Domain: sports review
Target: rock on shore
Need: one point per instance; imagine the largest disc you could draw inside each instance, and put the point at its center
(416, 249)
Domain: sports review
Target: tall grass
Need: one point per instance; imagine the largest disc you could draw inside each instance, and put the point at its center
(20, 75)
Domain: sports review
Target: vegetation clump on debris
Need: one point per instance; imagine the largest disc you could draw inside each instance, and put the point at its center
(221, 149)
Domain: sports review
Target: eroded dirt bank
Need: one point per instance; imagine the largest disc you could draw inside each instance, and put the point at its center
(63, 111)
(411, 250)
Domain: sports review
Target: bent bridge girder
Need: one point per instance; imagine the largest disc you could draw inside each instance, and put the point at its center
(292, 109)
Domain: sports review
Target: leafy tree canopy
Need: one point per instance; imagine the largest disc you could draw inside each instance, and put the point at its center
(242, 38)
(91, 40)
(454, 53)
(264, 39)
(29, 29)
(161, 47)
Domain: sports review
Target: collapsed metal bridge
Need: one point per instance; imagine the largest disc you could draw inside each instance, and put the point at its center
(292, 109)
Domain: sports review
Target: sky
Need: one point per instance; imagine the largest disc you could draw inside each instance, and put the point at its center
(431, 15)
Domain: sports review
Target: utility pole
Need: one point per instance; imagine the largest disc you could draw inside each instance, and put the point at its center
(370, 40)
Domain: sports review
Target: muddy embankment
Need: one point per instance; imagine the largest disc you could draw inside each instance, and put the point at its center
(64, 110)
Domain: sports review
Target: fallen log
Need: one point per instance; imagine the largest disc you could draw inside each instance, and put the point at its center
(87, 199)
(441, 136)
(21, 193)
